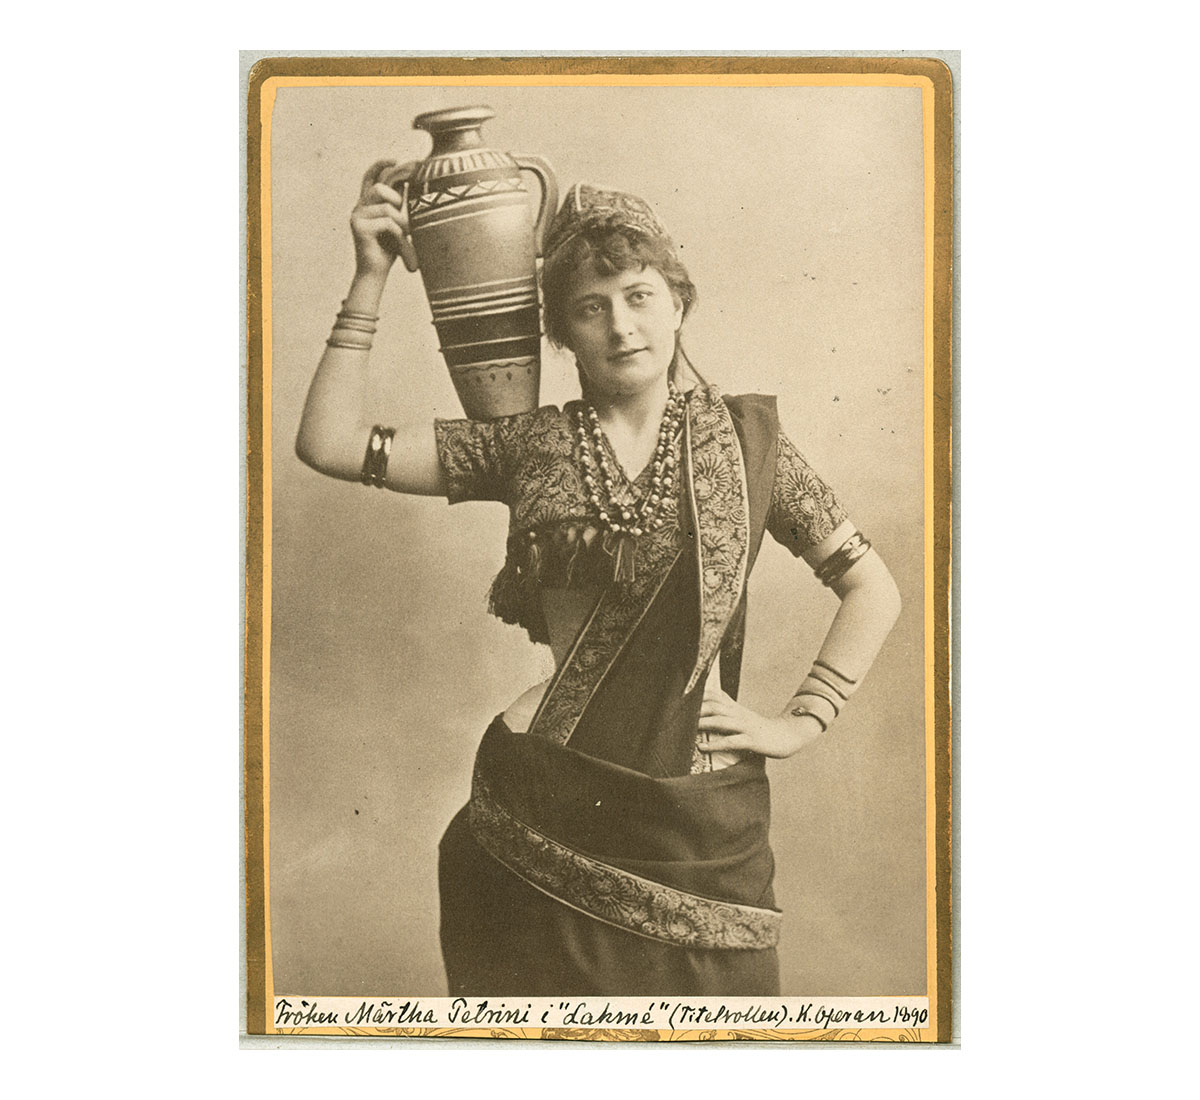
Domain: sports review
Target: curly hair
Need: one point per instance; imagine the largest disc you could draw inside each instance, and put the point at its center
(612, 250)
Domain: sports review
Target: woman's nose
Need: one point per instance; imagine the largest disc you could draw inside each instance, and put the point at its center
(620, 319)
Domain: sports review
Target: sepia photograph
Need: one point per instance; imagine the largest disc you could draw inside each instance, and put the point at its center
(592, 619)
(598, 510)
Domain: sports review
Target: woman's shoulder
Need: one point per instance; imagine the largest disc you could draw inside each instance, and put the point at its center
(710, 394)
(542, 414)
(746, 409)
(545, 418)
(544, 430)
(516, 429)
(498, 444)
(750, 402)
(754, 420)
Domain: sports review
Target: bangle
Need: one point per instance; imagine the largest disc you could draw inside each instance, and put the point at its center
(355, 324)
(838, 564)
(344, 312)
(335, 342)
(828, 683)
(829, 668)
(817, 695)
(800, 712)
(822, 683)
(349, 322)
(379, 448)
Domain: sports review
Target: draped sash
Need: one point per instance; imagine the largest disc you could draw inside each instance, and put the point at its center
(670, 856)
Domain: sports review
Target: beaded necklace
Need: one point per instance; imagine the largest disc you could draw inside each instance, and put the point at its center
(626, 520)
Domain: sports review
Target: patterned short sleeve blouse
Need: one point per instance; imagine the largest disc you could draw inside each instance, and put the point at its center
(529, 463)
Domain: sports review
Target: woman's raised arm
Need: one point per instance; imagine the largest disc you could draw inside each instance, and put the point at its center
(335, 429)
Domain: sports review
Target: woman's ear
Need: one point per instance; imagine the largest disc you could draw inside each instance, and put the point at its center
(678, 310)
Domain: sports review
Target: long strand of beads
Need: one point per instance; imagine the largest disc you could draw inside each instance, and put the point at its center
(628, 520)
(615, 516)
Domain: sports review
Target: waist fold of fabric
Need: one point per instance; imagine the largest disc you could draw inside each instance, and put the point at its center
(683, 859)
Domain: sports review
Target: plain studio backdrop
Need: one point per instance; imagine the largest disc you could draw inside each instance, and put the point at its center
(798, 212)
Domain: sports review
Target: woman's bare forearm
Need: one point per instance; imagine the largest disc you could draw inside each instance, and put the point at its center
(336, 426)
(870, 604)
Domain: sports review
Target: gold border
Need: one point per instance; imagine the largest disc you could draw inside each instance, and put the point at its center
(934, 79)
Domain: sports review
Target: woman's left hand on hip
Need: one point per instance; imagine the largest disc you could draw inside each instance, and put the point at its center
(734, 728)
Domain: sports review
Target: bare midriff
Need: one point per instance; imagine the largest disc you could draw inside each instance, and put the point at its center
(565, 611)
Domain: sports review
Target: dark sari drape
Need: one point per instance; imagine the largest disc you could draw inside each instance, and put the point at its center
(590, 860)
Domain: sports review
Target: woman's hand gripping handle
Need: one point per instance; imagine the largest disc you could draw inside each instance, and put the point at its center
(379, 221)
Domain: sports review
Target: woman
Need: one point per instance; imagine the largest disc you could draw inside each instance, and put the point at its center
(615, 841)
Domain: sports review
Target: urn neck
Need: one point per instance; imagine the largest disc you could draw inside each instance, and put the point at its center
(454, 131)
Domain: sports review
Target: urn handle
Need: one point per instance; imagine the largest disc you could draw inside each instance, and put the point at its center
(545, 174)
(398, 180)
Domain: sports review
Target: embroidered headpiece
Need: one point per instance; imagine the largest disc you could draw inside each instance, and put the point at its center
(587, 208)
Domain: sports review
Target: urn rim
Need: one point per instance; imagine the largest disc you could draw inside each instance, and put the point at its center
(453, 118)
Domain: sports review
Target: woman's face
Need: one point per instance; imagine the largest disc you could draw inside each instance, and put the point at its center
(622, 329)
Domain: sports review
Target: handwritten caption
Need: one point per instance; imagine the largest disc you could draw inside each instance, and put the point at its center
(673, 1014)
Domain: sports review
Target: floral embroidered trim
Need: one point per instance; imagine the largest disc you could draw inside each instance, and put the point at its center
(716, 488)
(716, 479)
(614, 896)
(600, 640)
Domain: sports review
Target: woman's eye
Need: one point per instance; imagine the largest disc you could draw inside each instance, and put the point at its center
(638, 297)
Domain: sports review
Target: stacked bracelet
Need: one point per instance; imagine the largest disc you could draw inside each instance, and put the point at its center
(829, 685)
(805, 692)
(818, 663)
(802, 712)
(379, 448)
(838, 564)
(352, 330)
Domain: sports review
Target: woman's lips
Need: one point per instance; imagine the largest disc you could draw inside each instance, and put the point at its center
(628, 353)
